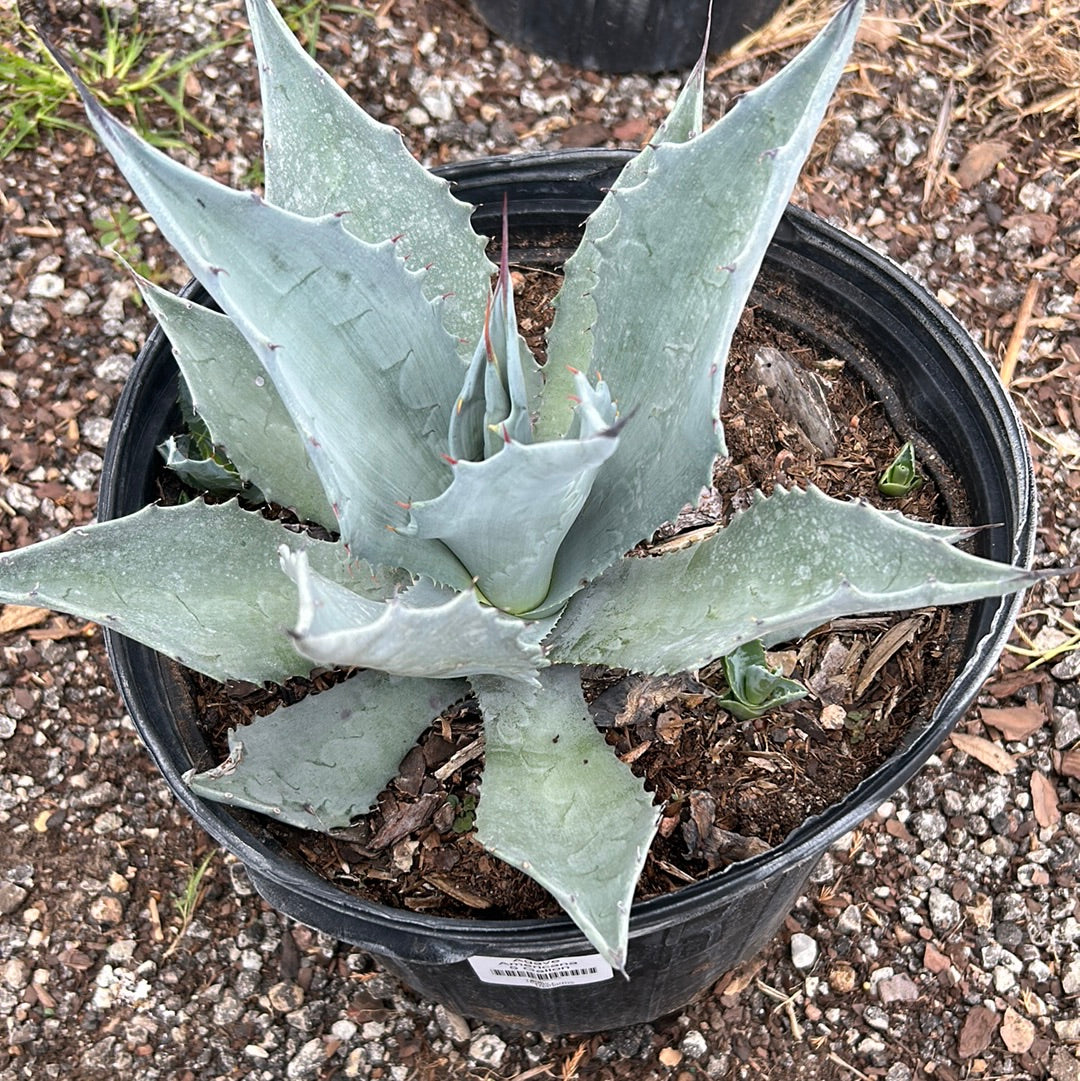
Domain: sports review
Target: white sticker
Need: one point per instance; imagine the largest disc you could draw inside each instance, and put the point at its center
(528, 972)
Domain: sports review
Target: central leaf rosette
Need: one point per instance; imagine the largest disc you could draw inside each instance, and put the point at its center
(512, 501)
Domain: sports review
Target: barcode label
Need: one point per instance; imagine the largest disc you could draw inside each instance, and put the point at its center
(527, 972)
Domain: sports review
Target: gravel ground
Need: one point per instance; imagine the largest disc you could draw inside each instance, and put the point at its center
(941, 940)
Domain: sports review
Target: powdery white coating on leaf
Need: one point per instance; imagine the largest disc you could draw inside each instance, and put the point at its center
(239, 405)
(357, 350)
(199, 583)
(324, 155)
(501, 382)
(558, 805)
(375, 440)
(425, 631)
(668, 288)
(570, 337)
(787, 564)
(322, 761)
(506, 516)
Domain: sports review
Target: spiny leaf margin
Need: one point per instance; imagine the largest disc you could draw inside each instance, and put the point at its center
(669, 292)
(200, 583)
(558, 805)
(423, 631)
(322, 761)
(782, 567)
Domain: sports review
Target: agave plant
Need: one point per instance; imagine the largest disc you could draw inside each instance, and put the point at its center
(469, 512)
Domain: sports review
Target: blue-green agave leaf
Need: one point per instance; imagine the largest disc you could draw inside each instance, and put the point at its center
(506, 516)
(377, 340)
(570, 337)
(669, 290)
(497, 396)
(239, 404)
(425, 631)
(594, 410)
(322, 761)
(205, 474)
(324, 155)
(199, 583)
(787, 564)
(504, 347)
(556, 803)
(754, 686)
(466, 431)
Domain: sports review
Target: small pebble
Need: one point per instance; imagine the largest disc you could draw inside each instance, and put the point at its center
(693, 1045)
(28, 317)
(928, 825)
(856, 151)
(16, 974)
(21, 497)
(487, 1050)
(95, 431)
(1035, 197)
(1064, 1065)
(452, 1025)
(343, 1030)
(113, 308)
(11, 897)
(47, 286)
(804, 951)
(435, 99)
(898, 988)
(850, 920)
(876, 1018)
(1065, 724)
(944, 911)
(77, 303)
(285, 997)
(1069, 668)
(107, 909)
(115, 368)
(306, 1062)
(107, 822)
(906, 150)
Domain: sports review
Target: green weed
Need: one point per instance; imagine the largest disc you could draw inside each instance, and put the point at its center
(118, 234)
(305, 18)
(32, 88)
(34, 91)
(188, 901)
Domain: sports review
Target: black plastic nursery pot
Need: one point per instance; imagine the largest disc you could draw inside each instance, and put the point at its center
(624, 35)
(542, 974)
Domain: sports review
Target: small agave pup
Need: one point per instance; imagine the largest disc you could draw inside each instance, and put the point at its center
(365, 376)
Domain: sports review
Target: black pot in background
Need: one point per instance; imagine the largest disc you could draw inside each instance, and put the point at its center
(939, 391)
(624, 35)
